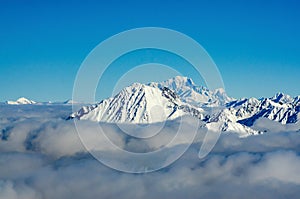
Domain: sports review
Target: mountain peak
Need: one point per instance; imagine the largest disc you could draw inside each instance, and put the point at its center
(137, 103)
(154, 102)
(21, 100)
(282, 98)
(190, 93)
(182, 79)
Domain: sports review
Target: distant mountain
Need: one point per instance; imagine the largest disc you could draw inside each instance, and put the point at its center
(190, 93)
(70, 101)
(23, 101)
(20, 101)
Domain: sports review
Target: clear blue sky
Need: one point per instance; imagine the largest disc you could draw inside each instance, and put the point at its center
(255, 44)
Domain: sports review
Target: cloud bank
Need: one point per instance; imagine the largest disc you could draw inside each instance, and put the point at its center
(41, 156)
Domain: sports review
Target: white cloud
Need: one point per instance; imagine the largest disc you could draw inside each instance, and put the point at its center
(44, 158)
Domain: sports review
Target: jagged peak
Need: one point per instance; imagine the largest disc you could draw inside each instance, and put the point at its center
(282, 98)
(183, 79)
(175, 82)
(219, 90)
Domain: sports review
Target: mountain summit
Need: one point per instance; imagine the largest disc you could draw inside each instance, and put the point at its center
(21, 101)
(193, 94)
(138, 103)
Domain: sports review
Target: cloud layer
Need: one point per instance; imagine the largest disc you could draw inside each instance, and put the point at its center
(41, 156)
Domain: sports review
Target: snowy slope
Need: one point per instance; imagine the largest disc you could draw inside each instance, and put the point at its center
(21, 101)
(193, 94)
(138, 103)
(281, 108)
(225, 121)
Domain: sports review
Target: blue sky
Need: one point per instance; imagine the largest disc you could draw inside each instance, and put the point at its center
(255, 44)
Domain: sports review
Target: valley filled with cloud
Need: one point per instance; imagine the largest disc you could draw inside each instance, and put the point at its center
(41, 156)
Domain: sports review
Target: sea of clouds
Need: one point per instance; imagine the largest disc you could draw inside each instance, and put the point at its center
(42, 157)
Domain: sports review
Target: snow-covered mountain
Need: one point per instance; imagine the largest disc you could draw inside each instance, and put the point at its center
(20, 101)
(281, 108)
(138, 103)
(224, 121)
(24, 101)
(193, 94)
(179, 96)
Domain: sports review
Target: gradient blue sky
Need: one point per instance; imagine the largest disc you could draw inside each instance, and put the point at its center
(255, 44)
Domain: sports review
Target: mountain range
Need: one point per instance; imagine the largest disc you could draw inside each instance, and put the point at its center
(179, 96)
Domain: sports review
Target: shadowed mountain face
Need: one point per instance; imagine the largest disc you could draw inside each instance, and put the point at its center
(281, 108)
